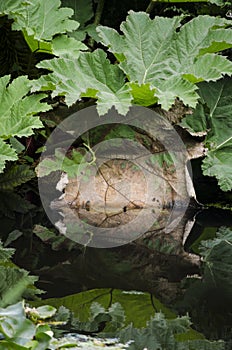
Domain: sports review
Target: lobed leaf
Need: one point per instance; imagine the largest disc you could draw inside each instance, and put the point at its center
(213, 117)
(154, 53)
(17, 111)
(6, 153)
(41, 19)
(91, 75)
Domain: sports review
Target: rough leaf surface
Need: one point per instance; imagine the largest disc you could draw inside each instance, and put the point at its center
(17, 113)
(215, 121)
(91, 75)
(153, 52)
(40, 18)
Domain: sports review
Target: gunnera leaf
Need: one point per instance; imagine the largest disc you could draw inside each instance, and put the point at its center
(153, 52)
(17, 113)
(213, 118)
(217, 258)
(161, 333)
(40, 18)
(91, 75)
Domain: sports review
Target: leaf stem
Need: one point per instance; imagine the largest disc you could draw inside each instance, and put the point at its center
(97, 19)
(151, 6)
(99, 11)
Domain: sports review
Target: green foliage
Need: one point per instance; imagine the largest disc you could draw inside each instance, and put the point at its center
(15, 176)
(72, 165)
(161, 333)
(21, 329)
(124, 322)
(83, 13)
(15, 282)
(163, 76)
(41, 19)
(157, 60)
(217, 258)
(213, 118)
(7, 153)
(11, 203)
(17, 114)
(15, 327)
(5, 254)
(112, 319)
(57, 242)
(96, 77)
(138, 306)
(153, 52)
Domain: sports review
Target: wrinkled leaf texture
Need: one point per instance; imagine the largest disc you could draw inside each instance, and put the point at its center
(153, 52)
(213, 116)
(17, 111)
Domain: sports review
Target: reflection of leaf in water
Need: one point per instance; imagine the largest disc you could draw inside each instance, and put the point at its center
(147, 321)
(138, 306)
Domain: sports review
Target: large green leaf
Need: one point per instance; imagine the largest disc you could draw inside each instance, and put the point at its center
(16, 108)
(63, 46)
(153, 52)
(91, 75)
(12, 6)
(17, 111)
(213, 117)
(14, 325)
(40, 18)
(138, 306)
(14, 283)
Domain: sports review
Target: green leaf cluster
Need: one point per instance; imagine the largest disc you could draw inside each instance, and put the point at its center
(170, 58)
(36, 17)
(212, 117)
(135, 318)
(160, 58)
(161, 333)
(217, 258)
(17, 114)
(15, 282)
(25, 328)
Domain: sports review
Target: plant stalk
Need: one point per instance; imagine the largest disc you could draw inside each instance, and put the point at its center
(97, 19)
(151, 6)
